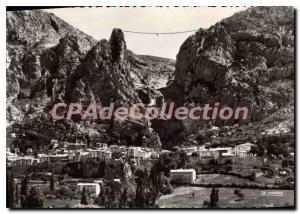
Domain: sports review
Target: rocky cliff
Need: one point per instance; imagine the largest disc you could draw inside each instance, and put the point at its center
(247, 59)
(244, 60)
(50, 61)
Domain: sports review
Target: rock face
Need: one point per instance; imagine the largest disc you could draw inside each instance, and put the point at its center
(244, 60)
(42, 51)
(49, 61)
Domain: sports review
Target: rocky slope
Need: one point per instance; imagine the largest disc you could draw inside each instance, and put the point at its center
(244, 60)
(250, 53)
(50, 61)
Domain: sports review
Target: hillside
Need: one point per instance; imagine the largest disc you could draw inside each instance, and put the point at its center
(50, 61)
(244, 60)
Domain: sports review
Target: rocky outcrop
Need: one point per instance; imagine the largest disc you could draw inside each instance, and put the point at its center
(43, 51)
(244, 60)
(238, 61)
(50, 61)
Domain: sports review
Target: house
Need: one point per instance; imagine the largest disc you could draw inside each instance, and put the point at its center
(53, 157)
(225, 158)
(100, 182)
(221, 155)
(243, 150)
(25, 161)
(222, 150)
(133, 151)
(183, 176)
(101, 154)
(138, 153)
(75, 146)
(93, 188)
(117, 180)
(101, 145)
(247, 162)
(11, 158)
(206, 156)
(190, 150)
(81, 155)
(114, 148)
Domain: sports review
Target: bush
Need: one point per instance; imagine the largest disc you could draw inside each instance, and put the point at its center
(64, 192)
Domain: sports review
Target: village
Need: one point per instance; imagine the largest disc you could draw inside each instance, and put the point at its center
(200, 163)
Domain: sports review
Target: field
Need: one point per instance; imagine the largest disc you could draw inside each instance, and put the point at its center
(182, 197)
(229, 179)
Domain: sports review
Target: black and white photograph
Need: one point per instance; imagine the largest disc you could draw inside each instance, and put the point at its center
(150, 107)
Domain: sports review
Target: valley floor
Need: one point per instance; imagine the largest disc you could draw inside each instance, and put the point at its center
(182, 197)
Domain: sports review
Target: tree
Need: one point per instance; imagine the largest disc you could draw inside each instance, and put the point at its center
(17, 195)
(52, 183)
(101, 169)
(183, 159)
(34, 198)
(239, 193)
(254, 150)
(214, 197)
(11, 191)
(64, 192)
(252, 177)
(271, 172)
(83, 199)
(195, 154)
(123, 199)
(140, 196)
(24, 185)
(24, 190)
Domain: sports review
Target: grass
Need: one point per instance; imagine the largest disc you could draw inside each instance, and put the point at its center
(182, 198)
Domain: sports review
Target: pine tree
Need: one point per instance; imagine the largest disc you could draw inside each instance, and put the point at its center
(24, 191)
(52, 183)
(11, 191)
(17, 195)
(214, 197)
(83, 197)
(24, 185)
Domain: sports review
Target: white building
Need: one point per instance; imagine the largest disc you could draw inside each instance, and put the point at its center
(190, 150)
(53, 157)
(23, 161)
(81, 155)
(184, 176)
(243, 150)
(222, 150)
(101, 145)
(114, 148)
(101, 154)
(93, 188)
(138, 153)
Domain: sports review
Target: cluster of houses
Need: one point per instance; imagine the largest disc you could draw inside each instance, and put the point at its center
(78, 151)
(239, 156)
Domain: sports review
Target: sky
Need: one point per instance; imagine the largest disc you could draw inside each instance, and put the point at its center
(99, 22)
